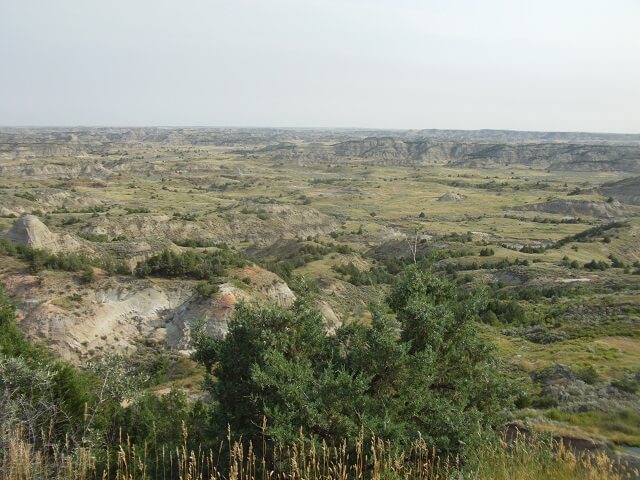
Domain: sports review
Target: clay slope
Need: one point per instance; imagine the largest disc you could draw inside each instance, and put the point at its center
(626, 191)
(273, 222)
(576, 208)
(30, 231)
(397, 151)
(116, 314)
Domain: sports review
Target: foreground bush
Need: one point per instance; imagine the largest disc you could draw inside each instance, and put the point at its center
(425, 374)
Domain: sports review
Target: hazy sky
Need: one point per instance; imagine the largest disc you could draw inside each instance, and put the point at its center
(516, 64)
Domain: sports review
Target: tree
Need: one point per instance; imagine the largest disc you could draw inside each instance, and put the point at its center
(455, 385)
(426, 373)
(413, 245)
(12, 342)
(265, 366)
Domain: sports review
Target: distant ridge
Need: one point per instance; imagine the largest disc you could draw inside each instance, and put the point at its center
(579, 151)
(236, 135)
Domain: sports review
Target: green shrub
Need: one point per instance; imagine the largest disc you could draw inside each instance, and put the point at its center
(375, 275)
(132, 210)
(88, 274)
(27, 196)
(427, 375)
(588, 374)
(201, 266)
(94, 237)
(509, 311)
(596, 265)
(616, 262)
(629, 383)
(207, 289)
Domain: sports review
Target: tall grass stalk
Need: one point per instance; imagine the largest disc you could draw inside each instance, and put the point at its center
(374, 459)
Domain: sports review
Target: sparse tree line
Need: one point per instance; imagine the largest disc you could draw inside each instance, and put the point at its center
(38, 260)
(208, 265)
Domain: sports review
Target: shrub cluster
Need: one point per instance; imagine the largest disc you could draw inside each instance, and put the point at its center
(197, 265)
(39, 260)
(378, 274)
(299, 254)
(401, 379)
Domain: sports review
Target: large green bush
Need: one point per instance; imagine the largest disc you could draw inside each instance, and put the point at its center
(426, 373)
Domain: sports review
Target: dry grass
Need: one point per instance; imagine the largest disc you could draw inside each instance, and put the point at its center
(375, 460)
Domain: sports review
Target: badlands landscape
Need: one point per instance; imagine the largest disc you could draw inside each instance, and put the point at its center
(125, 240)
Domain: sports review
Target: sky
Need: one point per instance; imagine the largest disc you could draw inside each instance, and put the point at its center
(561, 65)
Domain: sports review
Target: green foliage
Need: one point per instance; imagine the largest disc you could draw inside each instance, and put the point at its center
(199, 243)
(36, 391)
(299, 254)
(630, 382)
(161, 421)
(88, 274)
(596, 265)
(588, 374)
(616, 262)
(505, 311)
(590, 233)
(189, 217)
(451, 267)
(201, 266)
(12, 341)
(94, 237)
(94, 209)
(207, 289)
(427, 375)
(27, 196)
(39, 260)
(132, 210)
(376, 275)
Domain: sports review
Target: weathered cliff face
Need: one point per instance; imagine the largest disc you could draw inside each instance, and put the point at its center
(576, 208)
(553, 156)
(626, 191)
(396, 151)
(44, 200)
(279, 220)
(540, 155)
(116, 314)
(39, 169)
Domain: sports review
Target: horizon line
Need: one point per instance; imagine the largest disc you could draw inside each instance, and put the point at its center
(258, 127)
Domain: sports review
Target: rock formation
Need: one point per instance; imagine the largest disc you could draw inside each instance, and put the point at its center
(451, 197)
(30, 231)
